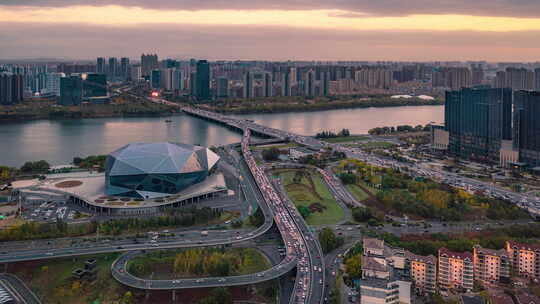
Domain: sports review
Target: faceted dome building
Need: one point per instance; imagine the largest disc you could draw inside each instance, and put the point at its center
(151, 170)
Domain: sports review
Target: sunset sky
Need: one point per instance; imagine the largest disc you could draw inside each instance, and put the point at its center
(493, 30)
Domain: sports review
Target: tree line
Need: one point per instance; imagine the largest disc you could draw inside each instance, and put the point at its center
(330, 134)
(399, 129)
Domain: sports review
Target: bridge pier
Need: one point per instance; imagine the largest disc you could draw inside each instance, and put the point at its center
(174, 295)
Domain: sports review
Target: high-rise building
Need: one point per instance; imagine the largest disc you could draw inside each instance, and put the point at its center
(309, 88)
(477, 72)
(515, 78)
(71, 90)
(477, 121)
(222, 87)
(268, 85)
(177, 80)
(155, 79)
(149, 63)
(193, 84)
(11, 88)
(456, 270)
(537, 79)
(526, 120)
(95, 85)
(100, 66)
(454, 78)
(53, 83)
(166, 79)
(203, 80)
(136, 73)
(379, 78)
(286, 84)
(113, 68)
(124, 72)
(249, 87)
(325, 83)
(491, 266)
(423, 270)
(72, 68)
(524, 259)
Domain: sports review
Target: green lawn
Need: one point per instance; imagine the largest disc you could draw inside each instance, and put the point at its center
(345, 139)
(52, 280)
(357, 192)
(378, 144)
(302, 194)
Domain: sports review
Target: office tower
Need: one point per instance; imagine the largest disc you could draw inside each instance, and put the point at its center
(477, 72)
(537, 79)
(500, 80)
(71, 90)
(268, 85)
(11, 88)
(478, 121)
(309, 86)
(148, 64)
(454, 78)
(177, 80)
(455, 270)
(423, 270)
(203, 80)
(124, 68)
(384, 277)
(527, 126)
(53, 83)
(222, 87)
(491, 266)
(100, 66)
(155, 79)
(95, 85)
(524, 259)
(249, 85)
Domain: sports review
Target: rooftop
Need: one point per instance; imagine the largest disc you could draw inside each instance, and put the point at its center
(455, 255)
(373, 243)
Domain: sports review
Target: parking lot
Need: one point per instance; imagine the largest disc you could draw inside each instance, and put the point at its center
(50, 212)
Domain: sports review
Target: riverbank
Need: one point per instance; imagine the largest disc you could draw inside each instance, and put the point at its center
(300, 104)
(119, 107)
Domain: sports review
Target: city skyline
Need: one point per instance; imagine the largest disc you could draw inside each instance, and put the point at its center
(273, 30)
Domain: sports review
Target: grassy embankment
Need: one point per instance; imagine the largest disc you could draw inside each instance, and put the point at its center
(311, 189)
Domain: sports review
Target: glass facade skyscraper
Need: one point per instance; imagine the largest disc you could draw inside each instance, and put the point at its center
(202, 86)
(71, 90)
(527, 126)
(477, 120)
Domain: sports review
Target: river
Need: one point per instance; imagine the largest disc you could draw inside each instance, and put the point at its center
(58, 141)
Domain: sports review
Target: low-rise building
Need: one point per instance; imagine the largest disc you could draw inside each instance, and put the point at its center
(491, 266)
(455, 270)
(423, 270)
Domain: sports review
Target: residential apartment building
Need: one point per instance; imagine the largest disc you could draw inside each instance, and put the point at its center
(524, 259)
(491, 266)
(423, 270)
(385, 280)
(455, 270)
